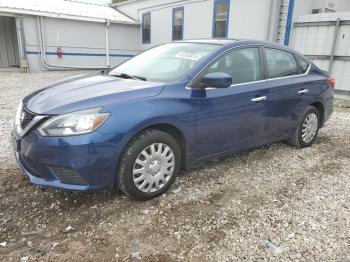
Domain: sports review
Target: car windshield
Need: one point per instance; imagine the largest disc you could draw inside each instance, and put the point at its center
(164, 63)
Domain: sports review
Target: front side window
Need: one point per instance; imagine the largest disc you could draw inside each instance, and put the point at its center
(146, 28)
(166, 62)
(178, 23)
(242, 64)
(280, 63)
(220, 19)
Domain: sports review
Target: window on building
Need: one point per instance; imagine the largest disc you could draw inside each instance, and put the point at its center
(280, 63)
(220, 19)
(146, 28)
(178, 23)
(242, 64)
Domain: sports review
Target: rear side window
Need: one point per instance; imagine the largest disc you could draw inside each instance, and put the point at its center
(304, 65)
(242, 64)
(280, 63)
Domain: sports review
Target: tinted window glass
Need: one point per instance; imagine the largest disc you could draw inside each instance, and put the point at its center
(146, 28)
(220, 19)
(280, 63)
(242, 64)
(178, 19)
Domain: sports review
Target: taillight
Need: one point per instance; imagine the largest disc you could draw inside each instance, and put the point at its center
(331, 82)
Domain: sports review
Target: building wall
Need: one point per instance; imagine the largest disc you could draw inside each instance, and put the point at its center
(196, 25)
(305, 7)
(83, 43)
(247, 18)
(315, 41)
(250, 19)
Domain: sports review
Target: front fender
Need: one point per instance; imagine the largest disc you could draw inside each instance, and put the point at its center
(129, 119)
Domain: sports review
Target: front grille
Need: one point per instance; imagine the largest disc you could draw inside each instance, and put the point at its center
(26, 118)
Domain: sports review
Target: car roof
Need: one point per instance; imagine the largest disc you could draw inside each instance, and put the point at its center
(210, 41)
(239, 42)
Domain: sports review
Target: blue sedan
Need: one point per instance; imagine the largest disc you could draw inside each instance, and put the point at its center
(169, 108)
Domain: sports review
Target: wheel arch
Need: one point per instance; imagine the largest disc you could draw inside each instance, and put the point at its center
(168, 128)
(176, 133)
(319, 106)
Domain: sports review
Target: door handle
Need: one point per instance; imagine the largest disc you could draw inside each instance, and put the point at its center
(258, 99)
(303, 91)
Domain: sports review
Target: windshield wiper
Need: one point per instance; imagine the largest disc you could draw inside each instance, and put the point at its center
(126, 76)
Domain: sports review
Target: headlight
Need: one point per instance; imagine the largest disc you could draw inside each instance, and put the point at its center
(76, 123)
(18, 115)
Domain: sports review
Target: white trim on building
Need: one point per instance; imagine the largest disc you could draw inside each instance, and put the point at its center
(65, 10)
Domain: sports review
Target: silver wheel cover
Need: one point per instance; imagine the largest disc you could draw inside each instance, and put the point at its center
(153, 167)
(309, 128)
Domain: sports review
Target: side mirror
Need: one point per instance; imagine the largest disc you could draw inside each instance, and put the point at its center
(216, 80)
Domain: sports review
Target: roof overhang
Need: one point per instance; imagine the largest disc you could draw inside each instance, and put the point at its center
(125, 2)
(15, 12)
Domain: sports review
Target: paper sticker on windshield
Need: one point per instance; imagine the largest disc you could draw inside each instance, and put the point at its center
(189, 56)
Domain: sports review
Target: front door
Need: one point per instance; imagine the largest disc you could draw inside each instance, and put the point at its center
(234, 117)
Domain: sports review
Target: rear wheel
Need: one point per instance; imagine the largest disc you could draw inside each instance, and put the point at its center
(307, 130)
(149, 165)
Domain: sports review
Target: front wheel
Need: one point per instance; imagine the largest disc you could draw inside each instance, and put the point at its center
(149, 165)
(307, 130)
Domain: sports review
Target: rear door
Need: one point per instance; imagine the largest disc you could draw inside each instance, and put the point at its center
(287, 92)
(233, 117)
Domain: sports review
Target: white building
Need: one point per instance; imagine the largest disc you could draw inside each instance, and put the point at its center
(57, 34)
(165, 20)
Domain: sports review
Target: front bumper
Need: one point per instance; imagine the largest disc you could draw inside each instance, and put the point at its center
(85, 162)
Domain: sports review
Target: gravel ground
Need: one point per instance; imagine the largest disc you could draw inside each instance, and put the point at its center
(272, 203)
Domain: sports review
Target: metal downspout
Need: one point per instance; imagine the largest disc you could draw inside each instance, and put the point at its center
(334, 45)
(44, 62)
(19, 38)
(274, 20)
(269, 33)
(289, 22)
(107, 44)
(21, 44)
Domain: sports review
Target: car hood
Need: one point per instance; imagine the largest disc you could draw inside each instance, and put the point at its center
(83, 92)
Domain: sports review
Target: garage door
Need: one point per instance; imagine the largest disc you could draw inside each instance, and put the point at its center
(8, 42)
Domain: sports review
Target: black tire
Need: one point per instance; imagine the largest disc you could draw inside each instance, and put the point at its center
(297, 140)
(146, 138)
